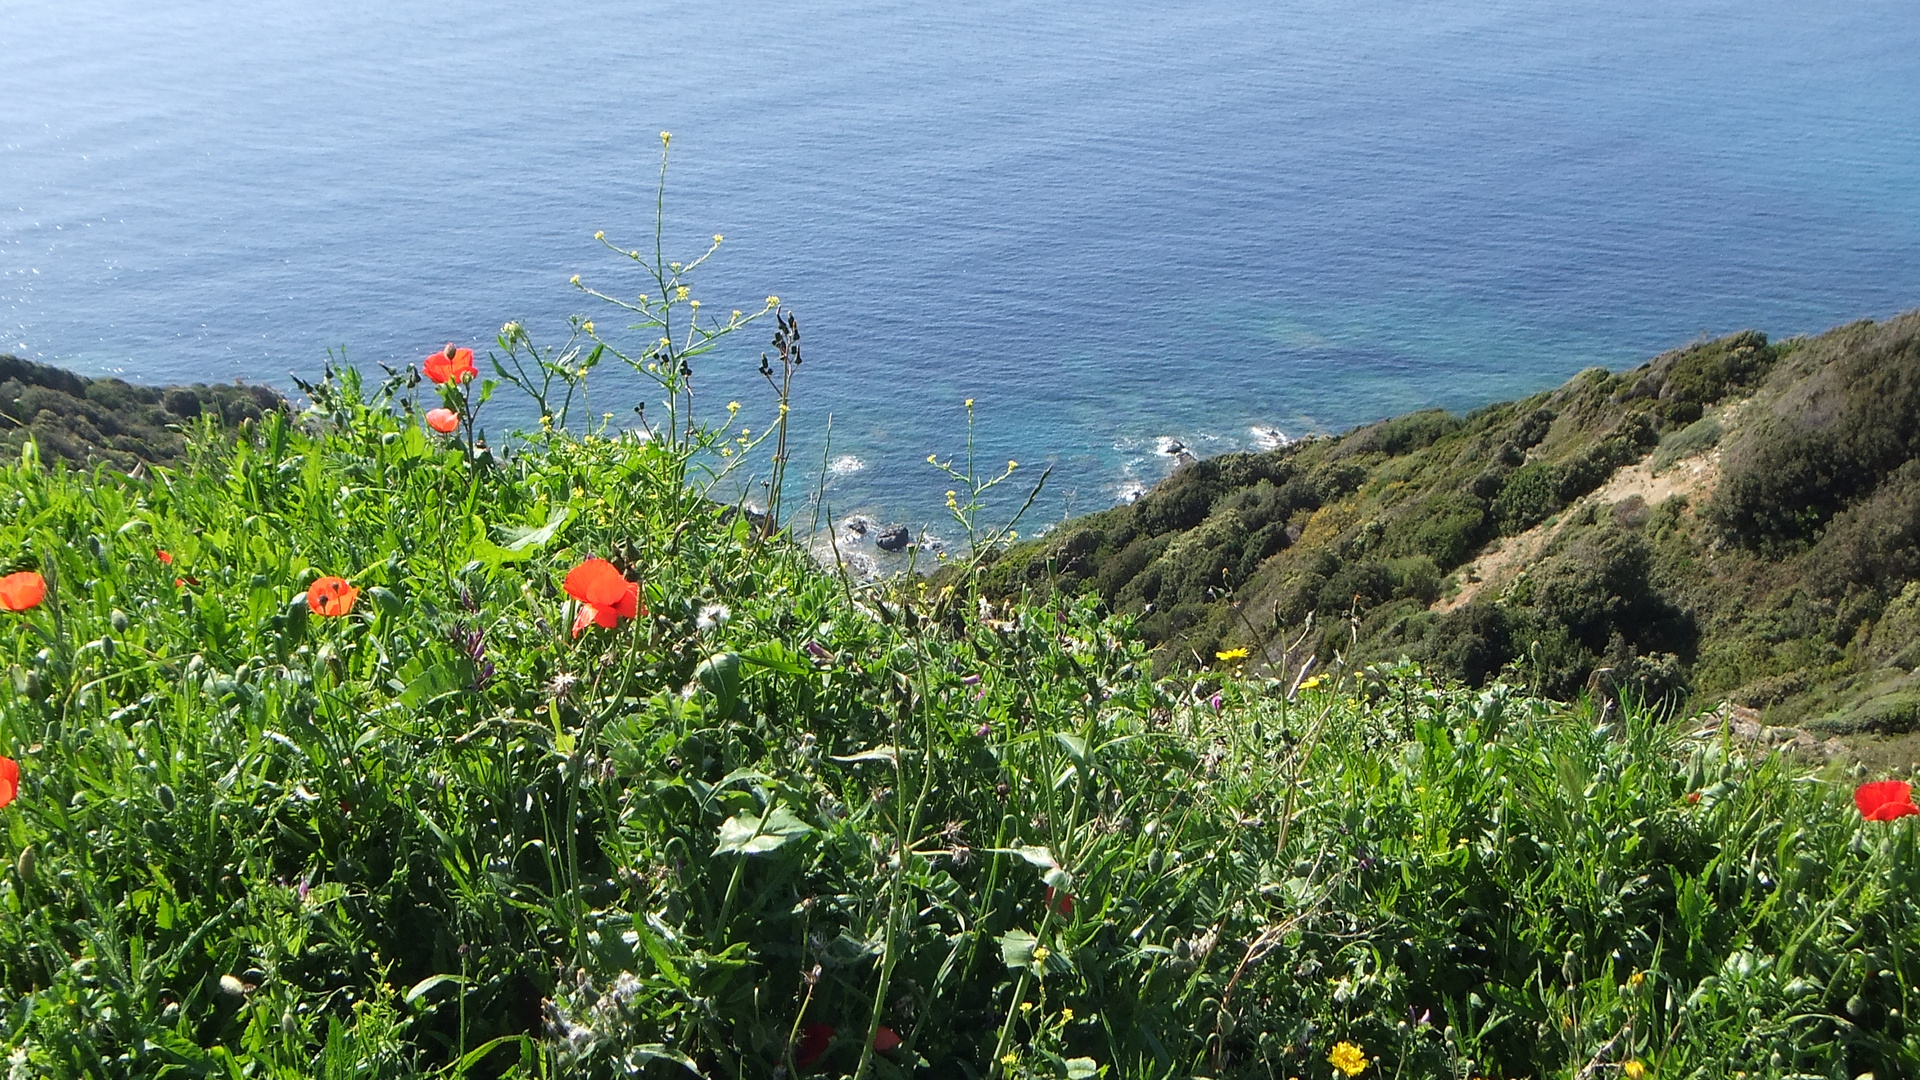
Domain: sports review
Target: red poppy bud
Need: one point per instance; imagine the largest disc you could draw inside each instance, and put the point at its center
(21, 591)
(1693, 797)
(165, 556)
(814, 1039)
(1885, 800)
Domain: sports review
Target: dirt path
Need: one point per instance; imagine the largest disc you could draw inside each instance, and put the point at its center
(1506, 557)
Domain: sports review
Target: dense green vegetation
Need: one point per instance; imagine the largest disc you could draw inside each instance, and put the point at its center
(110, 421)
(1781, 573)
(445, 835)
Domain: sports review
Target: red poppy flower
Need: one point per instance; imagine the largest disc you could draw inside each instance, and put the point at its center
(9, 780)
(604, 594)
(885, 1040)
(165, 556)
(332, 597)
(443, 420)
(450, 365)
(1061, 903)
(21, 591)
(1885, 800)
(814, 1039)
(1693, 797)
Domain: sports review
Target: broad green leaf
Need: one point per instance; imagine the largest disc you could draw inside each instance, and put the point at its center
(1076, 746)
(1038, 856)
(888, 754)
(437, 682)
(1016, 948)
(748, 834)
(776, 657)
(426, 986)
(1082, 1068)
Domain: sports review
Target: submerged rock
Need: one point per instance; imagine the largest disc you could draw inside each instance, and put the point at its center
(892, 538)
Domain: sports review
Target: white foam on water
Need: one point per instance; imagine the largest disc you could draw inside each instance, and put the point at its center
(845, 465)
(1268, 438)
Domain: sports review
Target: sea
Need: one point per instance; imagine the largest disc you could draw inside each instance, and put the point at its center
(1123, 230)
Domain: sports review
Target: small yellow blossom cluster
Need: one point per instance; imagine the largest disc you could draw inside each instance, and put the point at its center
(1348, 1058)
(1231, 655)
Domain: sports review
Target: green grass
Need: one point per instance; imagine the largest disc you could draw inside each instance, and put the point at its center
(442, 837)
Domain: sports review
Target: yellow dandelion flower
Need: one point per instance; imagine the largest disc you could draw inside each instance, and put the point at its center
(1348, 1058)
(1230, 655)
(1633, 1070)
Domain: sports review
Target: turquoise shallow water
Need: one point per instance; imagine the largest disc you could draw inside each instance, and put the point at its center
(1111, 226)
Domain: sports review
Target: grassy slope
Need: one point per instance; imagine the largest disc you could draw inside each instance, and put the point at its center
(110, 421)
(1774, 561)
(251, 841)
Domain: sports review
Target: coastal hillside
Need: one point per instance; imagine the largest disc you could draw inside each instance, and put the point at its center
(1737, 519)
(335, 749)
(87, 422)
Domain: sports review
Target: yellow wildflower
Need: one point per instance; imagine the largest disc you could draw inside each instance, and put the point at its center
(666, 137)
(680, 292)
(1009, 1060)
(717, 238)
(1633, 1070)
(1012, 465)
(1066, 1015)
(1348, 1058)
(773, 301)
(588, 326)
(599, 234)
(1040, 953)
(1313, 682)
(932, 460)
(969, 403)
(575, 279)
(733, 406)
(1637, 979)
(1230, 655)
(696, 303)
(1026, 1006)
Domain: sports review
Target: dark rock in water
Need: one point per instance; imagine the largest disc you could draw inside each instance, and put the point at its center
(892, 538)
(856, 526)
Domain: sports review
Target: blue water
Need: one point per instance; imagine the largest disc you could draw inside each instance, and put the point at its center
(1107, 223)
